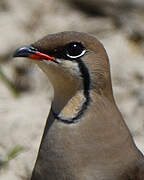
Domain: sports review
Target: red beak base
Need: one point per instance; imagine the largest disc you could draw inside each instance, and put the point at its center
(40, 56)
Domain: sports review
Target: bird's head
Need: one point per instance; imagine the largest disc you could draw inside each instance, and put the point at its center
(72, 61)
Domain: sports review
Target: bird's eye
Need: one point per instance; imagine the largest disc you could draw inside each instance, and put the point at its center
(75, 50)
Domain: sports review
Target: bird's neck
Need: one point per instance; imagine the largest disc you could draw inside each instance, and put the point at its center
(64, 86)
(74, 106)
(64, 94)
(71, 93)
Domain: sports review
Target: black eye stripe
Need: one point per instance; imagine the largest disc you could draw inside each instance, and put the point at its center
(71, 51)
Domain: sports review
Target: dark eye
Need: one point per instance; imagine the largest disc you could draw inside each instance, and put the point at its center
(75, 50)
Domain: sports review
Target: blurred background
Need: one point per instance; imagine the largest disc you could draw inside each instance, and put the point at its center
(24, 89)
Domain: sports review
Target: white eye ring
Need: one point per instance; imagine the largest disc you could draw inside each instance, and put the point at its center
(74, 57)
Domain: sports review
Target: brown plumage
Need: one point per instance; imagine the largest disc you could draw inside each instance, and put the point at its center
(85, 137)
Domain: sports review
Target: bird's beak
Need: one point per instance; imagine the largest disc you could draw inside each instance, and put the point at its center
(33, 53)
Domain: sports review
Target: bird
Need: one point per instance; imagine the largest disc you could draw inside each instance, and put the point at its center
(85, 136)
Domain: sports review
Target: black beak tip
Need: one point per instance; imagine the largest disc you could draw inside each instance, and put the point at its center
(24, 51)
(16, 53)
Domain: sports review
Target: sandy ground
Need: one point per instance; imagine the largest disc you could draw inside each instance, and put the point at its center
(22, 119)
